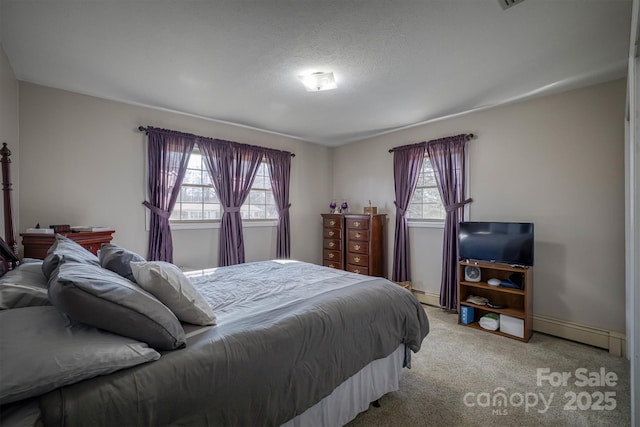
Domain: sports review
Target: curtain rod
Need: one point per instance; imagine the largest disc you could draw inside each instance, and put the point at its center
(467, 136)
(146, 130)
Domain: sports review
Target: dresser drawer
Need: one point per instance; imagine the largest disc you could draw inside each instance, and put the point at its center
(332, 255)
(331, 222)
(361, 236)
(357, 259)
(358, 269)
(357, 224)
(357, 246)
(331, 233)
(332, 264)
(334, 244)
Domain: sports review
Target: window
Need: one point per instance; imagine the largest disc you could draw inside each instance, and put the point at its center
(198, 200)
(260, 203)
(426, 203)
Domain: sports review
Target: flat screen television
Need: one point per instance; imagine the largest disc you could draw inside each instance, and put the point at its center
(503, 242)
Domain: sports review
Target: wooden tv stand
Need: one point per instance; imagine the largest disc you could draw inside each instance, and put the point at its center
(518, 302)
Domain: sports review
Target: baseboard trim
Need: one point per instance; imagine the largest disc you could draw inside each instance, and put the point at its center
(614, 342)
(429, 298)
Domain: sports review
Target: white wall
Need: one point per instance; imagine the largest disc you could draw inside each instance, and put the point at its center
(557, 161)
(9, 126)
(83, 162)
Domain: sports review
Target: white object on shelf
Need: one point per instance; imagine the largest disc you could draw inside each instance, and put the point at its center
(79, 228)
(40, 230)
(512, 325)
(472, 273)
(490, 321)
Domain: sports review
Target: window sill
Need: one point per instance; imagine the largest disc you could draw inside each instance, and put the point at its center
(425, 224)
(212, 225)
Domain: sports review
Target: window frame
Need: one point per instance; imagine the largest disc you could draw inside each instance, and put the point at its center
(202, 186)
(213, 223)
(267, 191)
(435, 223)
(426, 222)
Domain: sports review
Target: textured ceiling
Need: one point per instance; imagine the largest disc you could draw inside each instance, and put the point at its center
(397, 63)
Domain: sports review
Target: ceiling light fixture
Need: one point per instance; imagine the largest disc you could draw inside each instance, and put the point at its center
(316, 82)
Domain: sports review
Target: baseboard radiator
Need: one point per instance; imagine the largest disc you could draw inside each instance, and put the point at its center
(614, 342)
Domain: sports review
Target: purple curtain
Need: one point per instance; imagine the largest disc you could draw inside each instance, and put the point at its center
(168, 156)
(280, 171)
(232, 168)
(447, 156)
(407, 163)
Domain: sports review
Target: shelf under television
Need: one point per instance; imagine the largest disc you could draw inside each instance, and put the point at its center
(496, 265)
(518, 303)
(476, 325)
(484, 285)
(513, 312)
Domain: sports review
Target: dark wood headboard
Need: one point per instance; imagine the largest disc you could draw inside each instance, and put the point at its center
(8, 245)
(8, 260)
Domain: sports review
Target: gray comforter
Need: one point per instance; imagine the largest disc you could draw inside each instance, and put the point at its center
(287, 335)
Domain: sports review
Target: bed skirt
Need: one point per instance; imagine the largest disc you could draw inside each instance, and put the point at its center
(355, 394)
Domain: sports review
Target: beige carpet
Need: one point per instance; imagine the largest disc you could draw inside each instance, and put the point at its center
(460, 374)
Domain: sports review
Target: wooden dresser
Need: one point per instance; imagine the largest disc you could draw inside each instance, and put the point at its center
(364, 240)
(354, 243)
(36, 245)
(333, 241)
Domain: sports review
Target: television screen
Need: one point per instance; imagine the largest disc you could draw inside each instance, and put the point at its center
(504, 242)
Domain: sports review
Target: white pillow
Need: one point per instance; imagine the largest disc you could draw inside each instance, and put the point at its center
(168, 283)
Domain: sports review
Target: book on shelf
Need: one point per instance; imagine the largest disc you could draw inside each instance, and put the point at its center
(85, 228)
(40, 230)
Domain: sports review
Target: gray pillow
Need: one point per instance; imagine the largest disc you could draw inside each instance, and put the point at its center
(166, 282)
(66, 250)
(42, 349)
(102, 298)
(117, 259)
(24, 286)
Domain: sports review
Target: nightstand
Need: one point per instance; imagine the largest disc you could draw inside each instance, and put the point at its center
(36, 245)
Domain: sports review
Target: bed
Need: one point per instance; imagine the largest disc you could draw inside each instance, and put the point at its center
(266, 343)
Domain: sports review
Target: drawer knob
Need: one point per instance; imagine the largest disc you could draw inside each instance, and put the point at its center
(358, 235)
(356, 271)
(331, 244)
(356, 259)
(356, 247)
(331, 233)
(332, 222)
(331, 265)
(356, 224)
(331, 255)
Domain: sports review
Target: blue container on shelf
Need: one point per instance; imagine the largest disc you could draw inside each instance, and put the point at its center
(466, 315)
